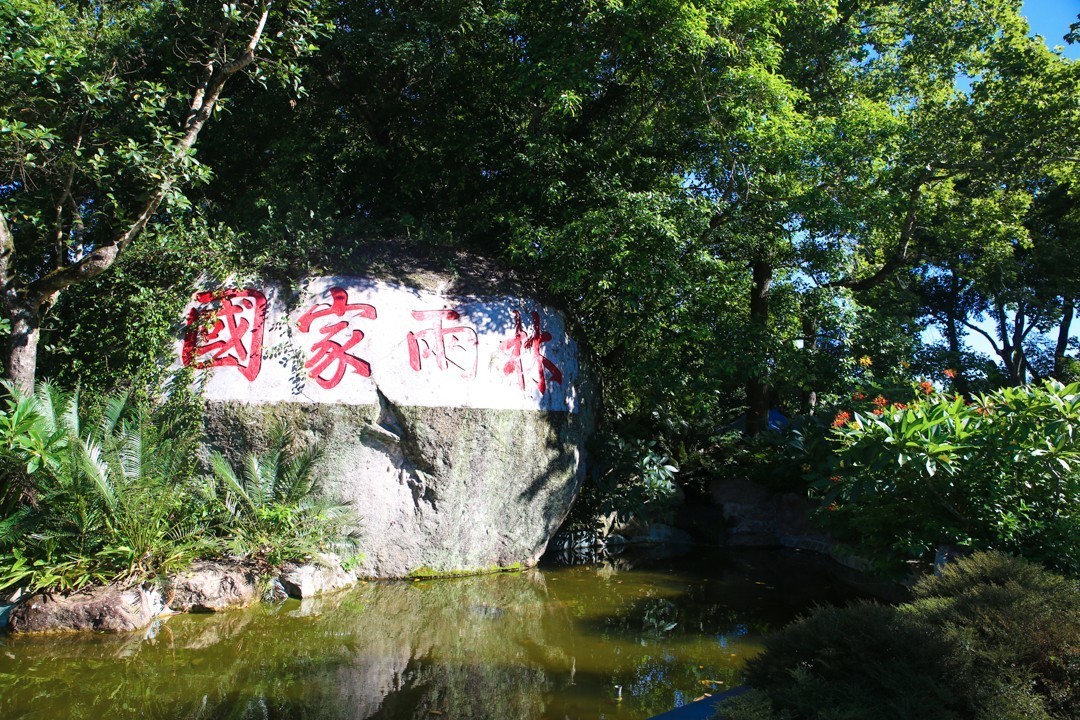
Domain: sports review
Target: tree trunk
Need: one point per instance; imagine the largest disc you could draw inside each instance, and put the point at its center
(23, 346)
(810, 330)
(757, 386)
(1063, 338)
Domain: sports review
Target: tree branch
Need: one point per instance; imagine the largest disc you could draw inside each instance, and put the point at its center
(900, 257)
(202, 105)
(989, 338)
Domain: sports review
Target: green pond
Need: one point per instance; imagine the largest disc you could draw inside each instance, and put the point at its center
(555, 642)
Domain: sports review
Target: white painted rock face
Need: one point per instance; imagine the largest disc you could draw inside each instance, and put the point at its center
(345, 336)
(454, 425)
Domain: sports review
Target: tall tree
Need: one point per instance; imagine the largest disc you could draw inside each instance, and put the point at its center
(101, 107)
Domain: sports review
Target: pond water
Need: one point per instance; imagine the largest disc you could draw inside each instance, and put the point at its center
(556, 642)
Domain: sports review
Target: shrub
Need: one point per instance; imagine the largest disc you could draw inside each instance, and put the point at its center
(862, 661)
(115, 495)
(275, 511)
(105, 496)
(1015, 629)
(994, 638)
(632, 478)
(999, 472)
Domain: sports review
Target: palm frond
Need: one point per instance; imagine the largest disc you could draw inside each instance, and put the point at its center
(128, 448)
(50, 402)
(69, 421)
(116, 408)
(255, 479)
(97, 469)
(233, 485)
(297, 479)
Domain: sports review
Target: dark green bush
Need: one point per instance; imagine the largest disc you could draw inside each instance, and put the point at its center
(993, 638)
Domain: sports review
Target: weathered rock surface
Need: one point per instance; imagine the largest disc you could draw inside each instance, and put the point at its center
(449, 490)
(211, 587)
(324, 574)
(103, 609)
(8, 600)
(455, 424)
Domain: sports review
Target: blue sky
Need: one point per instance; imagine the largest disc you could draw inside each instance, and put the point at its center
(1051, 19)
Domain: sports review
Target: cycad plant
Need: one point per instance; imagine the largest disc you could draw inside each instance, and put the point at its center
(112, 499)
(276, 510)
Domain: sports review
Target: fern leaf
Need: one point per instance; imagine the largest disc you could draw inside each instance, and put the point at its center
(223, 471)
(98, 471)
(116, 408)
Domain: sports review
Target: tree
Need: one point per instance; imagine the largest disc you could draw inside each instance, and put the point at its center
(910, 127)
(101, 107)
(556, 136)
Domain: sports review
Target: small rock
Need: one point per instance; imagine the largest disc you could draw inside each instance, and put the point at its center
(323, 575)
(104, 609)
(211, 587)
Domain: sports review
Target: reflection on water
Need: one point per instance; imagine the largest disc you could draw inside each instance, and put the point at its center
(551, 643)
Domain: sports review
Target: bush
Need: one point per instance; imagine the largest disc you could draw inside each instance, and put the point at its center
(275, 512)
(993, 638)
(114, 494)
(1016, 632)
(1000, 472)
(104, 496)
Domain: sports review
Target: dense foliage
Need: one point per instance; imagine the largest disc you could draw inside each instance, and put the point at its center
(743, 205)
(1000, 471)
(114, 494)
(735, 201)
(102, 105)
(992, 638)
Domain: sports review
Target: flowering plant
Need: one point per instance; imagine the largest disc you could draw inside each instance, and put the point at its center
(997, 471)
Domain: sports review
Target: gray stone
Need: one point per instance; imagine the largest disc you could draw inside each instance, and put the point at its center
(449, 472)
(324, 574)
(211, 587)
(103, 609)
(8, 600)
(450, 490)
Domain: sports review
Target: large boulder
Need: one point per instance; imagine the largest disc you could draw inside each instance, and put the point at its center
(103, 609)
(452, 417)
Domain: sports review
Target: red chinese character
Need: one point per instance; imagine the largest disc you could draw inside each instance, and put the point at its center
(455, 346)
(328, 351)
(532, 342)
(235, 336)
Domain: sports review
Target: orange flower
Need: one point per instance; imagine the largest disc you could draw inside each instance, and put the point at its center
(878, 411)
(834, 479)
(842, 418)
(833, 508)
(880, 401)
(951, 374)
(927, 387)
(899, 406)
(859, 396)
